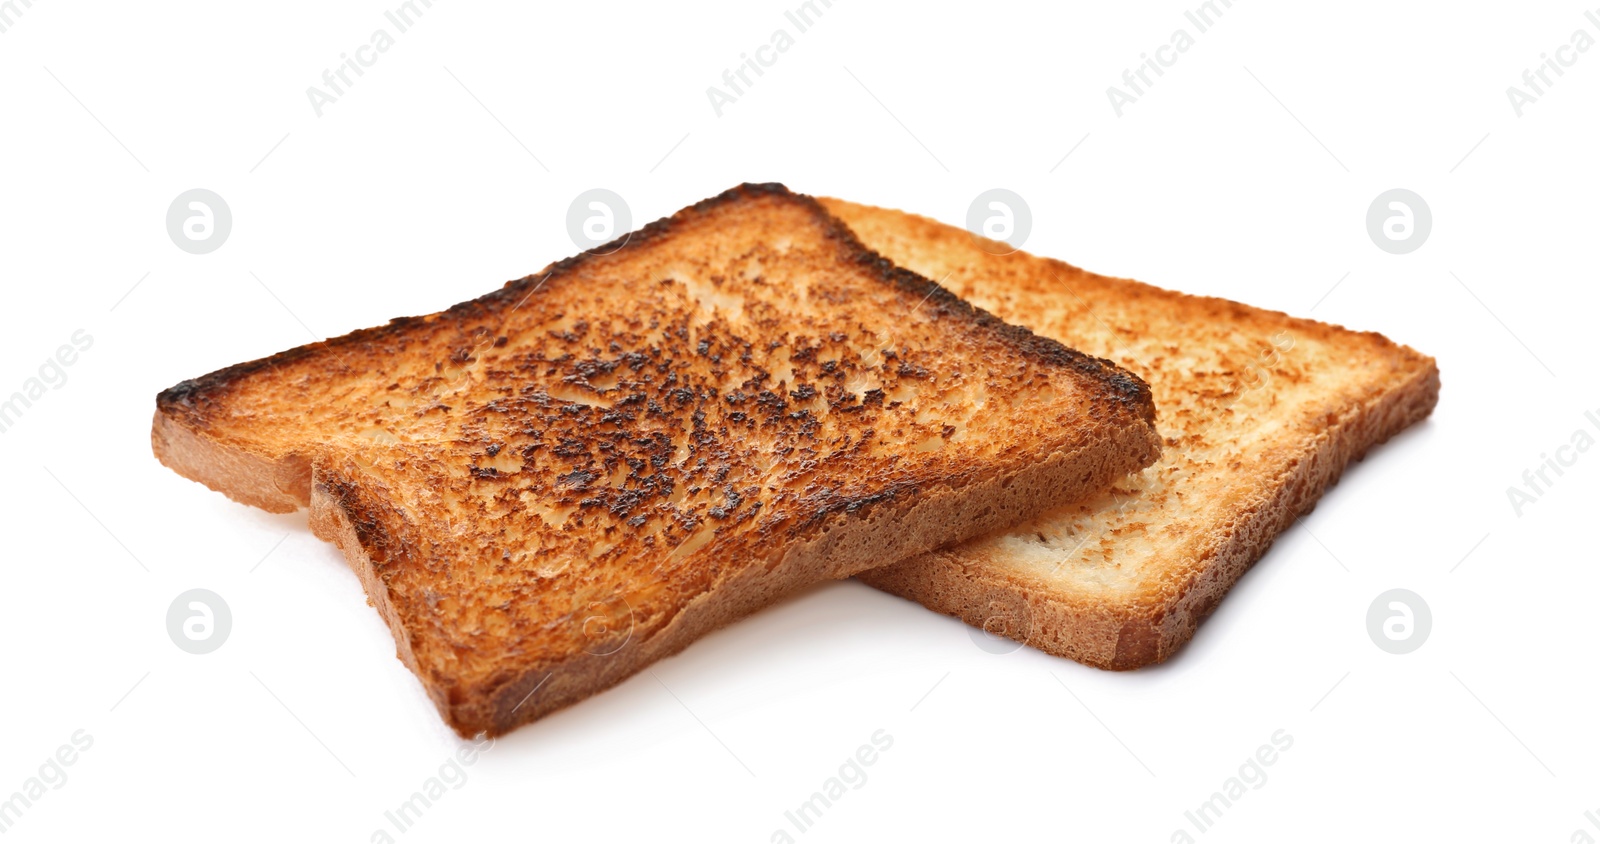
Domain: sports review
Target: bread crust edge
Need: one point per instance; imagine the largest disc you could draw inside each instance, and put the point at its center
(1149, 627)
(888, 529)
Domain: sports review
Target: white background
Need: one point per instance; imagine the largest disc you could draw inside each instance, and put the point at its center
(1245, 172)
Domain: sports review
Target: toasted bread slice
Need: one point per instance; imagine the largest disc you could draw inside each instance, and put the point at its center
(1260, 413)
(548, 488)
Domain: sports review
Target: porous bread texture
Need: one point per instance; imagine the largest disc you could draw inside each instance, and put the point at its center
(548, 488)
(1260, 413)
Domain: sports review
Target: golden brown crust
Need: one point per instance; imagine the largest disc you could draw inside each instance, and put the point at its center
(547, 488)
(1261, 413)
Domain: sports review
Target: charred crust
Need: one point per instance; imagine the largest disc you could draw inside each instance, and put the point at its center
(189, 399)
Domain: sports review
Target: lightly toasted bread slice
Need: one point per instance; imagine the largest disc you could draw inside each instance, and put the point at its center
(546, 489)
(1260, 412)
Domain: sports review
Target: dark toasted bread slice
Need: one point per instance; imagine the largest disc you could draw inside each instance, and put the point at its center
(548, 488)
(1260, 412)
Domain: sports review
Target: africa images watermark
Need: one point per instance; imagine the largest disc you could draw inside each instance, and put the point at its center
(1137, 79)
(1251, 776)
(1259, 371)
(51, 776)
(1583, 836)
(737, 81)
(451, 776)
(337, 78)
(1537, 81)
(1537, 482)
(852, 775)
(10, 12)
(52, 376)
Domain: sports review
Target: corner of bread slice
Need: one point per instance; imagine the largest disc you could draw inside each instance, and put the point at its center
(471, 702)
(183, 442)
(341, 513)
(1153, 617)
(1164, 616)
